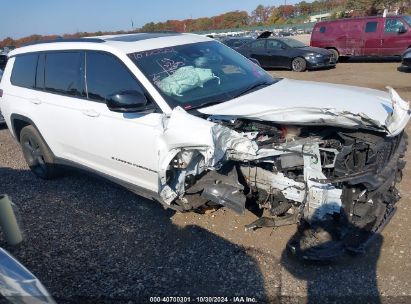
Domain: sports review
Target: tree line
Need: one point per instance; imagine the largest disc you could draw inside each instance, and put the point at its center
(261, 15)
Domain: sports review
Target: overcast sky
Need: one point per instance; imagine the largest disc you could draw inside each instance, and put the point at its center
(21, 18)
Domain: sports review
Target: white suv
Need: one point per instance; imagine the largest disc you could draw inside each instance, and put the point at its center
(187, 121)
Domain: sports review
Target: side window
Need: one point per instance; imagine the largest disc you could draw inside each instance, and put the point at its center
(393, 25)
(371, 27)
(62, 73)
(237, 44)
(258, 45)
(322, 29)
(107, 75)
(274, 45)
(24, 70)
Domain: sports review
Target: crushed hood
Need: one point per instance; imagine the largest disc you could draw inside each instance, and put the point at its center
(313, 103)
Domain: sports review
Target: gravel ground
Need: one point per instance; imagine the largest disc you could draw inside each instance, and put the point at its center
(91, 241)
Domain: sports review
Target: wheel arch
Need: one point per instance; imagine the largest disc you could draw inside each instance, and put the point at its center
(18, 122)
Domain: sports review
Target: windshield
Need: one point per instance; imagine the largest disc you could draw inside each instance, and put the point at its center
(408, 19)
(200, 74)
(293, 43)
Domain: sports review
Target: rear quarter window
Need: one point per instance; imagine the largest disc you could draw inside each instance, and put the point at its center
(24, 71)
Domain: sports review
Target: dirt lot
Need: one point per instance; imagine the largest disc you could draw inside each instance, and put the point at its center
(89, 240)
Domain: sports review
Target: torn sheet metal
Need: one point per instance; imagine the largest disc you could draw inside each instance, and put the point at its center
(400, 115)
(322, 199)
(268, 181)
(185, 133)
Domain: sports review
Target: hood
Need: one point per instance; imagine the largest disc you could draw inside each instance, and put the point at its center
(312, 103)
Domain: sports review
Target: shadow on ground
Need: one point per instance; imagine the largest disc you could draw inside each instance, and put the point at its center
(404, 69)
(369, 59)
(318, 255)
(88, 240)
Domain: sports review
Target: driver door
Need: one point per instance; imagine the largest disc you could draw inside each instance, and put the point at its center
(393, 41)
(121, 145)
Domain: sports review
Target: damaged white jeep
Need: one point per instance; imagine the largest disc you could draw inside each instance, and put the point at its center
(187, 121)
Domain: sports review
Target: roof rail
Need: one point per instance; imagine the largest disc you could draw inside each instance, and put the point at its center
(85, 39)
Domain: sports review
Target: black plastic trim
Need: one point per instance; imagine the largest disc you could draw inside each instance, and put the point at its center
(92, 40)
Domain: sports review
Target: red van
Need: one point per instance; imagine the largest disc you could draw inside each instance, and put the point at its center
(368, 36)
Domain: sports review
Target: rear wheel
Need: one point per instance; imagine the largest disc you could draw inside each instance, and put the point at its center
(37, 155)
(299, 64)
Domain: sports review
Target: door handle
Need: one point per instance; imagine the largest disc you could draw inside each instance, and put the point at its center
(35, 101)
(91, 113)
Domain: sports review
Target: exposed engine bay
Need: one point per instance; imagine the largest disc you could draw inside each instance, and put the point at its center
(307, 175)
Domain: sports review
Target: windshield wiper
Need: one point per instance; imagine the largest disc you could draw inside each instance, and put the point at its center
(254, 87)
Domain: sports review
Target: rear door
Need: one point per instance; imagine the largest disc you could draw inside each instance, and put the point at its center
(372, 37)
(57, 102)
(392, 41)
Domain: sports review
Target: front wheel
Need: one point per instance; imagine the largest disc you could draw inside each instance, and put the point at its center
(299, 64)
(36, 153)
(335, 54)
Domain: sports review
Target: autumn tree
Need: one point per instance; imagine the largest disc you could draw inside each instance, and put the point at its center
(261, 14)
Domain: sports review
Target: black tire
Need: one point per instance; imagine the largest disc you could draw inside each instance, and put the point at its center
(299, 64)
(335, 53)
(37, 155)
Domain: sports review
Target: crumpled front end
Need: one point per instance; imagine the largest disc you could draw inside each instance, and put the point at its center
(294, 174)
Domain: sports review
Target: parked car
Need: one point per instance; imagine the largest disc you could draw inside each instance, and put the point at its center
(189, 122)
(369, 36)
(287, 53)
(19, 285)
(284, 34)
(406, 58)
(236, 43)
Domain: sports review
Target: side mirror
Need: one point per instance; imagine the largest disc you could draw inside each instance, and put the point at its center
(127, 102)
(402, 29)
